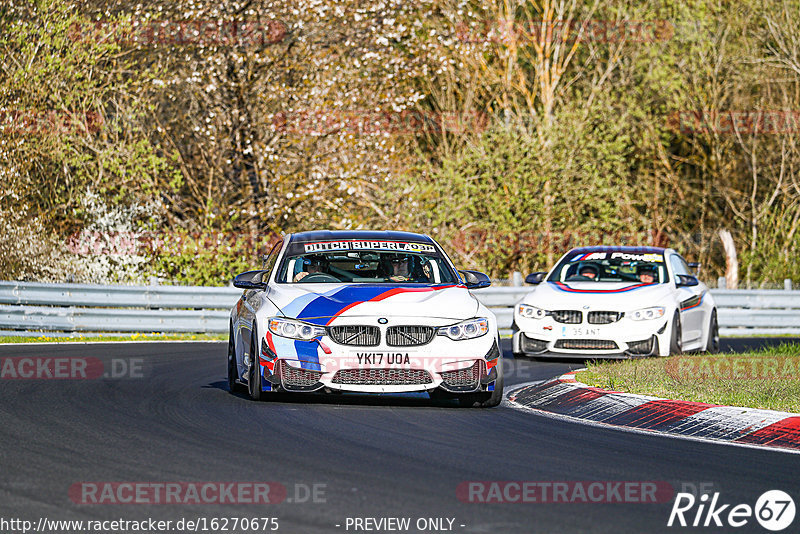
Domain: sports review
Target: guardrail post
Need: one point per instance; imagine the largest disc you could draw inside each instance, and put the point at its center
(722, 283)
(787, 284)
(516, 279)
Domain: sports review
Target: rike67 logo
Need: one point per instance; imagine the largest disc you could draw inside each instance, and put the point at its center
(774, 510)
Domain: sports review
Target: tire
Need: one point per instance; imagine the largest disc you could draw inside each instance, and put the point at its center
(514, 330)
(712, 344)
(233, 372)
(675, 341)
(254, 376)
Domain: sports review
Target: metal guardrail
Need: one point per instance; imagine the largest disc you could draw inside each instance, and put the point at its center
(100, 296)
(26, 306)
(62, 319)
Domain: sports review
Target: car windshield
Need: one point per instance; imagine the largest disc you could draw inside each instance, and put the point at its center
(356, 262)
(647, 268)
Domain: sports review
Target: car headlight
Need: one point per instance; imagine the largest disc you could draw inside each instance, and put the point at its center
(531, 312)
(466, 329)
(294, 329)
(646, 314)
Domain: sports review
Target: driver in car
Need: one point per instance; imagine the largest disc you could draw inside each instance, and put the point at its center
(312, 265)
(647, 274)
(589, 271)
(401, 269)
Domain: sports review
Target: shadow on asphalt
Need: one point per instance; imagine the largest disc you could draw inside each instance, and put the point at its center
(516, 369)
(346, 399)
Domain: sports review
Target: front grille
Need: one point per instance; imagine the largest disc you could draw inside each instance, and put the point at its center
(358, 335)
(463, 377)
(382, 377)
(409, 336)
(291, 376)
(567, 316)
(586, 344)
(641, 347)
(604, 317)
(532, 345)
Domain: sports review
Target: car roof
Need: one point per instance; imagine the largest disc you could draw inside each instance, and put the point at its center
(628, 249)
(367, 235)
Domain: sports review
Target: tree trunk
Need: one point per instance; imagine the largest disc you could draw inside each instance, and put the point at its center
(731, 263)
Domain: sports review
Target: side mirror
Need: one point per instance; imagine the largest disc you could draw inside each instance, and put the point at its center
(475, 279)
(535, 278)
(686, 280)
(249, 280)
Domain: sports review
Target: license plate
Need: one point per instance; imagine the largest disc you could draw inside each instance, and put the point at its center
(383, 358)
(580, 331)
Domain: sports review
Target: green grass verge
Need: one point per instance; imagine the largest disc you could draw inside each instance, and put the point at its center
(768, 379)
(98, 338)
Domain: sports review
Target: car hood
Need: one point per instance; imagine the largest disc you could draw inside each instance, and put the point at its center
(320, 303)
(622, 296)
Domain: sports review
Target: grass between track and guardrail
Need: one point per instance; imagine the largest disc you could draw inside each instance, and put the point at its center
(767, 378)
(100, 338)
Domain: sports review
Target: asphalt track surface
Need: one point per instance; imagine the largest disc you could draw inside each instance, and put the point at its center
(376, 456)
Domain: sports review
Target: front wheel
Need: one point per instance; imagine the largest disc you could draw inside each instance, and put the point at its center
(676, 340)
(712, 345)
(254, 375)
(514, 330)
(233, 373)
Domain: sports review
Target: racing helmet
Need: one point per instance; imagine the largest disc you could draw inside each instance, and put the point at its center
(647, 268)
(589, 267)
(317, 261)
(389, 260)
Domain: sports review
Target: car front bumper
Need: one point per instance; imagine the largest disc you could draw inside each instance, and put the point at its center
(624, 339)
(453, 366)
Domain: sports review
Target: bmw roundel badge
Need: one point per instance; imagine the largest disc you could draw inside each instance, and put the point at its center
(383, 320)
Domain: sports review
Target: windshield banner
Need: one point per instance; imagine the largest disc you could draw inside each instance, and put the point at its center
(398, 246)
(625, 256)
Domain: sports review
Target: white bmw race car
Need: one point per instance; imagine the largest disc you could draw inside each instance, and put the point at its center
(372, 312)
(616, 302)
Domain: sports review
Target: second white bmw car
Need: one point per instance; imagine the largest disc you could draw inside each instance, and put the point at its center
(616, 302)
